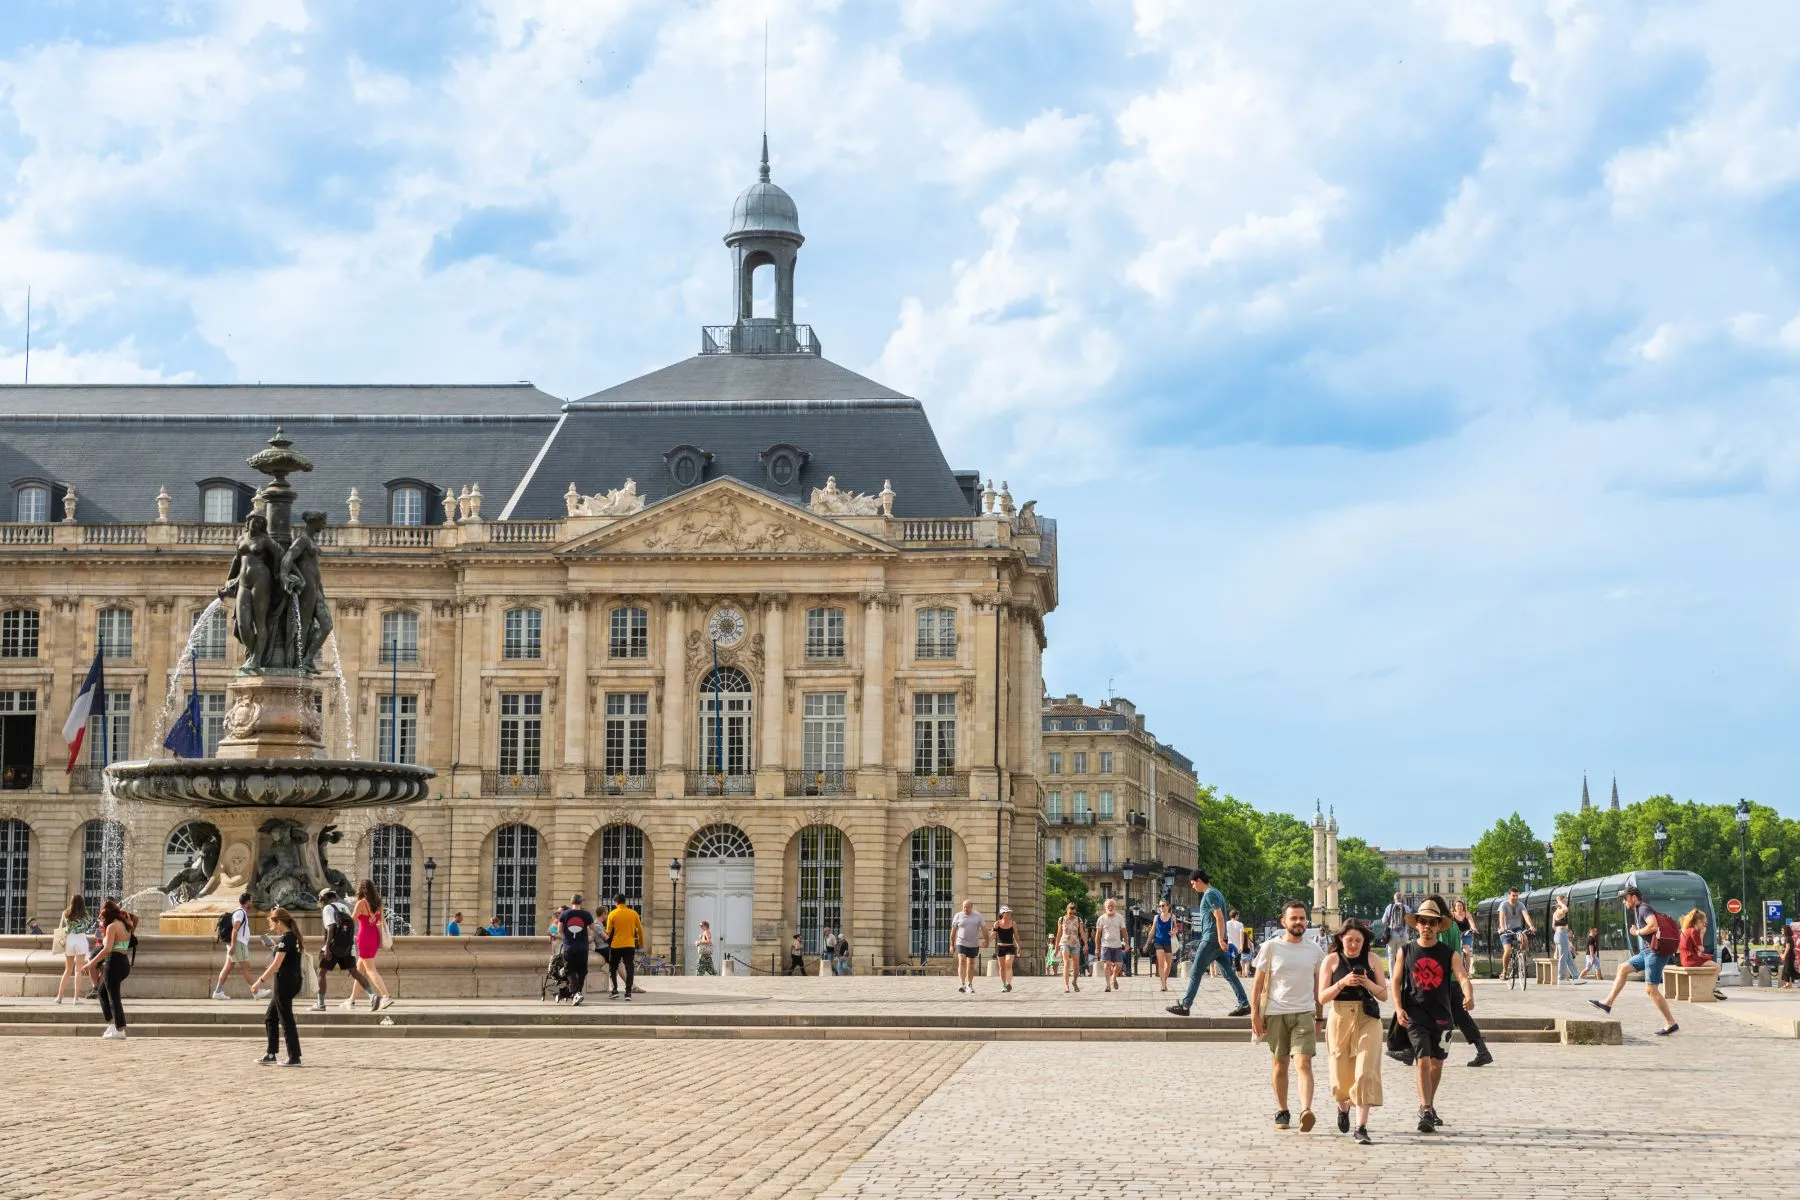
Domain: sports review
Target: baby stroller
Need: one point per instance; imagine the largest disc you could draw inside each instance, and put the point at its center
(556, 980)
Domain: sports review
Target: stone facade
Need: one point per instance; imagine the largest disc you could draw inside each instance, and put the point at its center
(1113, 794)
(1439, 870)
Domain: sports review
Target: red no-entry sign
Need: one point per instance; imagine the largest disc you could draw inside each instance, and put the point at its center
(1734, 907)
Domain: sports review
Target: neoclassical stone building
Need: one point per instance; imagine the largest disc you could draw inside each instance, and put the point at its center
(737, 616)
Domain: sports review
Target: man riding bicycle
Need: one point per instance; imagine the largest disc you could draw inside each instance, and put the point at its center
(1516, 928)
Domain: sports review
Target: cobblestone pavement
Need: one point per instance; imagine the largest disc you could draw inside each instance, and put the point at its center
(193, 1118)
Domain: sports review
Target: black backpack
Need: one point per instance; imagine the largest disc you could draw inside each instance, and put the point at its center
(341, 934)
(222, 931)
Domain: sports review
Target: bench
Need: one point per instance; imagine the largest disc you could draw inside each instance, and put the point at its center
(1693, 984)
(1546, 971)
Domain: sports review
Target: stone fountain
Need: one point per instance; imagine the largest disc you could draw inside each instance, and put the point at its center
(271, 793)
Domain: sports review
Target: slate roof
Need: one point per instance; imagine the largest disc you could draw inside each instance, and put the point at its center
(726, 377)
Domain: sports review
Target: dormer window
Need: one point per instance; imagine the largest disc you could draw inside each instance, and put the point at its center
(781, 466)
(31, 502)
(406, 505)
(687, 465)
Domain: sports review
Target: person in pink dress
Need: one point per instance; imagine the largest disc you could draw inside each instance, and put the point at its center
(370, 918)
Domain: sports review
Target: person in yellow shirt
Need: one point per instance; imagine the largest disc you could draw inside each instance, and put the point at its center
(624, 934)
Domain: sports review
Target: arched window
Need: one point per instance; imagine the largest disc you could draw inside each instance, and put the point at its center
(209, 639)
(102, 862)
(630, 634)
(523, 634)
(621, 866)
(31, 503)
(929, 864)
(720, 841)
(19, 633)
(400, 637)
(185, 855)
(725, 724)
(821, 880)
(516, 879)
(15, 875)
(390, 867)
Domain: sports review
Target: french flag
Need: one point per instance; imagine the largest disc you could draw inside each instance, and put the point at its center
(90, 702)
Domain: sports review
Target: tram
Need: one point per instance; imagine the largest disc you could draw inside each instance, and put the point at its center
(1595, 904)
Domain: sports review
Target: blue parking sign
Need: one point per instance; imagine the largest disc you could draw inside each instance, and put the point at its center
(1772, 911)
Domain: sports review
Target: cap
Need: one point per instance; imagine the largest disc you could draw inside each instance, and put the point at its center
(1005, 909)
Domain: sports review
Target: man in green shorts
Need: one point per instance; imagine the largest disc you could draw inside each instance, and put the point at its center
(1284, 1008)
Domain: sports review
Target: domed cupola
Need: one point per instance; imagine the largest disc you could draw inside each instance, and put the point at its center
(765, 231)
(764, 210)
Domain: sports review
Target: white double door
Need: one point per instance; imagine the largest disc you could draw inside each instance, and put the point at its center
(719, 892)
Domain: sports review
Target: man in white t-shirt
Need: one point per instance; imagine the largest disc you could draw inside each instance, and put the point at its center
(1284, 1009)
(1234, 934)
(238, 949)
(967, 931)
(1109, 933)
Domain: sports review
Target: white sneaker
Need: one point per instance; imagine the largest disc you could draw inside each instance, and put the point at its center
(348, 1005)
(263, 995)
(219, 994)
(319, 1006)
(577, 999)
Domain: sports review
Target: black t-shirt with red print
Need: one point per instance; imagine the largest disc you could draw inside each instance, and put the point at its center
(1426, 982)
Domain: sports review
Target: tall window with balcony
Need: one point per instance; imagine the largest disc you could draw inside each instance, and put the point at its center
(219, 506)
(1079, 857)
(1106, 857)
(113, 627)
(522, 634)
(399, 637)
(109, 733)
(521, 734)
(31, 503)
(1081, 808)
(18, 738)
(822, 743)
(630, 634)
(19, 633)
(209, 639)
(825, 633)
(725, 728)
(1053, 806)
(406, 505)
(627, 753)
(1055, 850)
(934, 739)
(1106, 762)
(936, 633)
(397, 743)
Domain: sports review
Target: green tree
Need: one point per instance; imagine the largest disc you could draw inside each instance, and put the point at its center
(1495, 859)
(1062, 888)
(1229, 850)
(1365, 877)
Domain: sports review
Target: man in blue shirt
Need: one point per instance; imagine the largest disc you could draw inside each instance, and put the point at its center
(1208, 922)
(454, 928)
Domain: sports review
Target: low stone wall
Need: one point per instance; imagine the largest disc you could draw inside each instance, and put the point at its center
(176, 968)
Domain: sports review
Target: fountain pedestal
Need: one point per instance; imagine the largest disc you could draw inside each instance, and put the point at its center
(272, 716)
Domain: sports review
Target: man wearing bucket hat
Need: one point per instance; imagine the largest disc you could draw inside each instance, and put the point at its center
(1423, 1004)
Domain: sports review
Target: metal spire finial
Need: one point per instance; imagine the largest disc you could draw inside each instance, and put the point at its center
(765, 158)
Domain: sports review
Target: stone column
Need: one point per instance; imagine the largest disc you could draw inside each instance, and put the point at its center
(874, 771)
(770, 775)
(670, 779)
(1333, 915)
(471, 654)
(1318, 875)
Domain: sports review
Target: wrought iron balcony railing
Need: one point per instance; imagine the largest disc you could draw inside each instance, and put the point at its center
(710, 783)
(821, 783)
(759, 337)
(616, 783)
(497, 783)
(940, 783)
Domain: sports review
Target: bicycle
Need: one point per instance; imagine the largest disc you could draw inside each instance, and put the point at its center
(1516, 976)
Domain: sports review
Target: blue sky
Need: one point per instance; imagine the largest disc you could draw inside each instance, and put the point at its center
(1415, 383)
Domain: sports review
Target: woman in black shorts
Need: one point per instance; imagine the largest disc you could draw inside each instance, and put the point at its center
(1006, 946)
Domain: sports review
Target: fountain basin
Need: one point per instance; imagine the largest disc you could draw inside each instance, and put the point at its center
(255, 783)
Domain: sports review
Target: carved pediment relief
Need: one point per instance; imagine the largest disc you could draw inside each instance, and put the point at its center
(726, 518)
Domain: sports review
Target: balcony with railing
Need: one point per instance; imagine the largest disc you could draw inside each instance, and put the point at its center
(821, 783)
(759, 337)
(497, 783)
(713, 783)
(86, 781)
(1098, 866)
(602, 782)
(21, 778)
(940, 783)
(1059, 817)
(26, 533)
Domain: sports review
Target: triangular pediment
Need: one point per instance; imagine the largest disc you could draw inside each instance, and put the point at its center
(725, 517)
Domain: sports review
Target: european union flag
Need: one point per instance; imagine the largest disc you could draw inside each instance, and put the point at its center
(187, 736)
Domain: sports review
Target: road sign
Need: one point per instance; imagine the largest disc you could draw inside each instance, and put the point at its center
(1734, 906)
(1772, 910)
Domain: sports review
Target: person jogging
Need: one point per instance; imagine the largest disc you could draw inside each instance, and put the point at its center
(1109, 932)
(1285, 1014)
(1516, 928)
(1429, 969)
(624, 934)
(574, 923)
(1208, 924)
(1352, 985)
(1660, 946)
(284, 969)
(1071, 940)
(338, 951)
(237, 948)
(968, 930)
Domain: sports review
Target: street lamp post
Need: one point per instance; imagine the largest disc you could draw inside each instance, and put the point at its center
(1662, 841)
(1585, 847)
(921, 880)
(1126, 872)
(674, 906)
(1743, 824)
(430, 878)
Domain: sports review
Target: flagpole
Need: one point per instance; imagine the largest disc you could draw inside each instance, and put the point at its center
(718, 721)
(394, 704)
(100, 699)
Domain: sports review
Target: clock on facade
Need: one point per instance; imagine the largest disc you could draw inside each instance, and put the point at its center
(726, 627)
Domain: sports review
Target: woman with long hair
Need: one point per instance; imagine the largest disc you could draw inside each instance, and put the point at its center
(285, 967)
(1162, 941)
(1071, 939)
(76, 930)
(703, 950)
(1565, 946)
(1352, 987)
(369, 916)
(1465, 928)
(111, 963)
(1006, 946)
